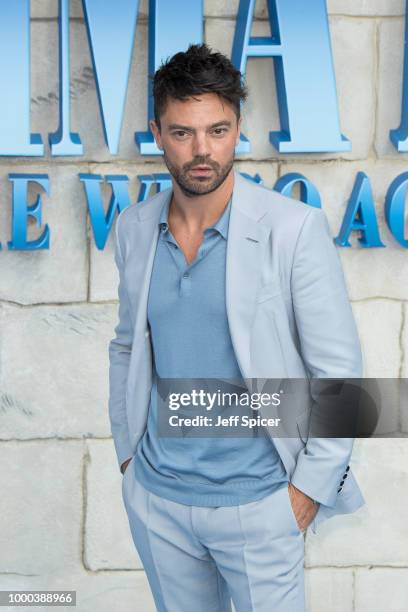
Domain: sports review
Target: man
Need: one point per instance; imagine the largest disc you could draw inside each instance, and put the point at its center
(222, 278)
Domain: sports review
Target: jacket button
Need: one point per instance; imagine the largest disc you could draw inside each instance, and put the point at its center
(338, 490)
(345, 475)
(347, 468)
(342, 483)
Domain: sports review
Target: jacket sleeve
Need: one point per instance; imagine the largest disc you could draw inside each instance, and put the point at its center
(330, 347)
(119, 357)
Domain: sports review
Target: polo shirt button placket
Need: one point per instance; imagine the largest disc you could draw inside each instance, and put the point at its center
(185, 283)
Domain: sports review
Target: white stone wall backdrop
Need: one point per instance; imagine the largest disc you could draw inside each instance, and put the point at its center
(63, 522)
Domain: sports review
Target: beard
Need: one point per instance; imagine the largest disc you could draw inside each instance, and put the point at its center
(195, 186)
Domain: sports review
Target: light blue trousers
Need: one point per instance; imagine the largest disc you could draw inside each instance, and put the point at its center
(197, 558)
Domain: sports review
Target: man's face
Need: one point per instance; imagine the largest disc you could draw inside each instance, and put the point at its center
(198, 138)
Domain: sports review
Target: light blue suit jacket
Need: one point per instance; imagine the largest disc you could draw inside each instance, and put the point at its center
(289, 317)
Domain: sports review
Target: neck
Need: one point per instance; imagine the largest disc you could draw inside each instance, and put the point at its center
(198, 212)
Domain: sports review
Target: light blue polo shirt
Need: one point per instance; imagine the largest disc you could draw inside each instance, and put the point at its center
(191, 339)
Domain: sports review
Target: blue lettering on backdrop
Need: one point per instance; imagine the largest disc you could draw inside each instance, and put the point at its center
(173, 26)
(21, 211)
(15, 137)
(101, 223)
(111, 31)
(360, 215)
(305, 80)
(399, 137)
(305, 84)
(146, 183)
(308, 192)
(162, 180)
(256, 178)
(64, 142)
(300, 48)
(395, 207)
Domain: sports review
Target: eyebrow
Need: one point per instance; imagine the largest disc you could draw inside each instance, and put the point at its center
(178, 126)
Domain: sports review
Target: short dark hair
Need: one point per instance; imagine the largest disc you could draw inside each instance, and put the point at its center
(196, 71)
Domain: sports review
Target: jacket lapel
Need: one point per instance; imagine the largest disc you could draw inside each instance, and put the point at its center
(246, 242)
(142, 256)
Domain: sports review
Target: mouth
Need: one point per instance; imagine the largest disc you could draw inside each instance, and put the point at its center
(201, 170)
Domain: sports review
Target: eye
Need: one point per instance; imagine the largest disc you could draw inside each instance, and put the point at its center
(180, 134)
(219, 131)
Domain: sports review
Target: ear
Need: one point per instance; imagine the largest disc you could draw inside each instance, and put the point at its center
(156, 133)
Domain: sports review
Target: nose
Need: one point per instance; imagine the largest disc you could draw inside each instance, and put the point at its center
(201, 145)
